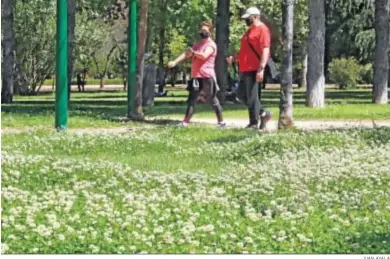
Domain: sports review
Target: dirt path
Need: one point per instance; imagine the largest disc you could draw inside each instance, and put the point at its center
(304, 125)
(231, 123)
(119, 87)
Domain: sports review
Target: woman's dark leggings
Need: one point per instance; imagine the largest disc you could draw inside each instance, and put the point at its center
(207, 90)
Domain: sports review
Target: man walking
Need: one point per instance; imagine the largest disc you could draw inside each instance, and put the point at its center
(252, 60)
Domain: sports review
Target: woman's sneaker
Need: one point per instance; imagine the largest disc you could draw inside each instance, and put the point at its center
(183, 124)
(264, 119)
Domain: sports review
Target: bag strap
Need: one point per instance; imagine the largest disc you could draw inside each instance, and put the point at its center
(252, 48)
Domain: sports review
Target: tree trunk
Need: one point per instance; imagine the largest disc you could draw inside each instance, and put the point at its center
(286, 91)
(328, 40)
(315, 91)
(101, 84)
(149, 38)
(8, 51)
(124, 83)
(20, 81)
(97, 69)
(108, 58)
(71, 40)
(381, 65)
(222, 40)
(303, 77)
(161, 69)
(137, 112)
(173, 76)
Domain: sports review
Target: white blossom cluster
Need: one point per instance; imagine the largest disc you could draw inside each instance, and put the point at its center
(314, 193)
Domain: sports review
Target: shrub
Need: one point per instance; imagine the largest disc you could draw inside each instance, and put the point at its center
(345, 72)
(366, 74)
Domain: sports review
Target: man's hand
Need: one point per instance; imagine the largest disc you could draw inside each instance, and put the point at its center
(260, 76)
(171, 64)
(191, 50)
(230, 60)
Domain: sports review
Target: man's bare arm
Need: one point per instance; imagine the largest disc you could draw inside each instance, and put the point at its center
(264, 58)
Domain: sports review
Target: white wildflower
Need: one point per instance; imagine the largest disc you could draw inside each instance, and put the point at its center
(158, 230)
(303, 238)
(253, 216)
(248, 240)
(94, 249)
(4, 248)
(207, 228)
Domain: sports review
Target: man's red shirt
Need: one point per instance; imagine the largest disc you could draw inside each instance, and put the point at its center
(260, 38)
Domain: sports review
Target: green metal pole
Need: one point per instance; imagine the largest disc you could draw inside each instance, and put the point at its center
(132, 54)
(61, 106)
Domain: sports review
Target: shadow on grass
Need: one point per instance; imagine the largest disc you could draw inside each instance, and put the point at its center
(376, 241)
(182, 93)
(48, 109)
(162, 122)
(168, 102)
(77, 102)
(228, 139)
(114, 105)
(112, 111)
(100, 96)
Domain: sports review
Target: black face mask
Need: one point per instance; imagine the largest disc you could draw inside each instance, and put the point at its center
(248, 21)
(204, 35)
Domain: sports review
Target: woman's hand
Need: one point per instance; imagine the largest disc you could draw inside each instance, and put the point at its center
(171, 64)
(230, 60)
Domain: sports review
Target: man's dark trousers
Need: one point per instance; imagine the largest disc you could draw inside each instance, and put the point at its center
(248, 92)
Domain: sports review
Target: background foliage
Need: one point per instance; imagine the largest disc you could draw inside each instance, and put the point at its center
(101, 33)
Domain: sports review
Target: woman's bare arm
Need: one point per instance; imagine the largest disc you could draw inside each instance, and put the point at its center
(185, 55)
(204, 55)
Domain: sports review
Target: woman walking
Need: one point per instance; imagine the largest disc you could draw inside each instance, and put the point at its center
(203, 82)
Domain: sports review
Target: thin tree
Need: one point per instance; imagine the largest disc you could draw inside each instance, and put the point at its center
(71, 41)
(8, 51)
(286, 91)
(222, 40)
(137, 112)
(303, 76)
(315, 91)
(161, 45)
(381, 66)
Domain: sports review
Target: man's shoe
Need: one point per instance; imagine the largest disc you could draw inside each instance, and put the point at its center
(252, 126)
(221, 125)
(264, 119)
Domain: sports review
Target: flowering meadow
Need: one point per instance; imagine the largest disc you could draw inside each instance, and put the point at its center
(196, 190)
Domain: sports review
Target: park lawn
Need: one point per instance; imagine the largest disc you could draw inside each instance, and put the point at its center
(165, 189)
(104, 109)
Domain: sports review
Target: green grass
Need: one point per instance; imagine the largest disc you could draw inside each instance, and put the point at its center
(164, 189)
(102, 109)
